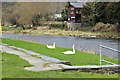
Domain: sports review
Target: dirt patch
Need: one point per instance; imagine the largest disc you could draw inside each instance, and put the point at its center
(43, 28)
(112, 70)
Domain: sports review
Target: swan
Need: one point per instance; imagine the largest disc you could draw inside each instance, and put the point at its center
(70, 52)
(51, 46)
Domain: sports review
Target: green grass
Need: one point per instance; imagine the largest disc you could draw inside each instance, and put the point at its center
(0, 65)
(80, 58)
(13, 67)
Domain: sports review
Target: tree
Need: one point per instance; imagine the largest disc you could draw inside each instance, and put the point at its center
(107, 12)
(35, 20)
(29, 13)
(65, 12)
(89, 12)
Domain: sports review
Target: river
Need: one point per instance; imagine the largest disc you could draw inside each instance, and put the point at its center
(84, 44)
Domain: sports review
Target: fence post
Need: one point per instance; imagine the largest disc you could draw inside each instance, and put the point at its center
(100, 55)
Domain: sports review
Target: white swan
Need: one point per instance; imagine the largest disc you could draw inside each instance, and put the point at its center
(51, 46)
(70, 52)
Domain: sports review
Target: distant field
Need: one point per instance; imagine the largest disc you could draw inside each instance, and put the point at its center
(13, 67)
(80, 58)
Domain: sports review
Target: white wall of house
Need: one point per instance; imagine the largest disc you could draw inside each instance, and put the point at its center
(55, 16)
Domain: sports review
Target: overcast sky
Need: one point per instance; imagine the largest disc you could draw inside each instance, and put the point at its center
(59, 0)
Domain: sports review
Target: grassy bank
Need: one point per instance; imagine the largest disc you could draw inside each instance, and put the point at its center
(0, 65)
(80, 33)
(13, 67)
(72, 33)
(80, 58)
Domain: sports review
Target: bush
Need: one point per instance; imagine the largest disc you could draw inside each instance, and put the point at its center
(6, 28)
(27, 26)
(61, 25)
(100, 26)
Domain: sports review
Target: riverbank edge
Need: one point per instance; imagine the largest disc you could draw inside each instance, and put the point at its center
(42, 45)
(56, 32)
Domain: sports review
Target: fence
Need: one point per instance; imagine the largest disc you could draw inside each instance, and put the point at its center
(102, 46)
(73, 26)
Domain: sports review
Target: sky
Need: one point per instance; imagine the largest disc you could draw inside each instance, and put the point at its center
(59, 0)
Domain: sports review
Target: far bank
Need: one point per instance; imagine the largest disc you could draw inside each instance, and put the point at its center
(78, 33)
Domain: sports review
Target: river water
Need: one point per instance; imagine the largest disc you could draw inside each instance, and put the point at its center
(83, 44)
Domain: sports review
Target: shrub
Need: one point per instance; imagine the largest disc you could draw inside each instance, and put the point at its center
(6, 28)
(60, 25)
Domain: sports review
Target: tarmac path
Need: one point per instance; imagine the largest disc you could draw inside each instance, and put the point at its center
(38, 63)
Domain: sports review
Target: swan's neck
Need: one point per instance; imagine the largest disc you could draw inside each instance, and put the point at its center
(73, 49)
(54, 44)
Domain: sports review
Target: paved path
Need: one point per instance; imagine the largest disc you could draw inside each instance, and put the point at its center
(38, 63)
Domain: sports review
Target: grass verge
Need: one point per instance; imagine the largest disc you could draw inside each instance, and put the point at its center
(13, 67)
(80, 58)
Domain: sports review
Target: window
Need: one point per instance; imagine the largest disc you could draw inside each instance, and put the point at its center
(72, 12)
(72, 8)
(78, 11)
(73, 19)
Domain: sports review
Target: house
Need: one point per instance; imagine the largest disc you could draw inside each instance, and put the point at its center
(74, 12)
(56, 16)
